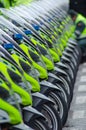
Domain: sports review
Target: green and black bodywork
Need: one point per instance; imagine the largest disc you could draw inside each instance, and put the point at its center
(17, 81)
(8, 101)
(31, 51)
(10, 3)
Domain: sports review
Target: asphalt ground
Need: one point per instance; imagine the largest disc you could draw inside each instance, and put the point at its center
(77, 113)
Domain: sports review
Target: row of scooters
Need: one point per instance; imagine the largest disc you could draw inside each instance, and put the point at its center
(38, 66)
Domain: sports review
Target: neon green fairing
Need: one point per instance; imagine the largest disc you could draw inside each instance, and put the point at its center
(55, 57)
(48, 62)
(40, 68)
(5, 3)
(61, 45)
(25, 96)
(14, 114)
(63, 42)
(59, 49)
(8, 3)
(2, 83)
(18, 2)
(52, 50)
(34, 83)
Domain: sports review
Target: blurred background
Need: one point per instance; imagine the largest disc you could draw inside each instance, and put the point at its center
(78, 5)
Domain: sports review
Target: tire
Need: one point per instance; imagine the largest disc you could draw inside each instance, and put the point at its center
(38, 124)
(64, 94)
(60, 106)
(52, 116)
(70, 69)
(68, 87)
(67, 70)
